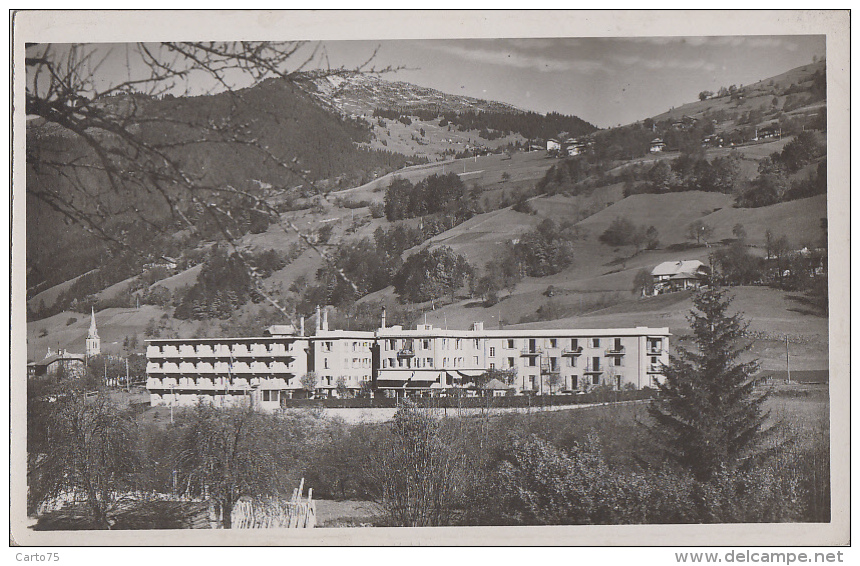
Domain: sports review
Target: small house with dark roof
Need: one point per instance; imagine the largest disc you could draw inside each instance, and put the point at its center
(657, 145)
(679, 275)
(58, 364)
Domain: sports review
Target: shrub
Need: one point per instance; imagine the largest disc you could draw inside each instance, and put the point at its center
(377, 210)
(418, 469)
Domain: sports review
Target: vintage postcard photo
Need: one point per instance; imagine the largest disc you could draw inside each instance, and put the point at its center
(289, 278)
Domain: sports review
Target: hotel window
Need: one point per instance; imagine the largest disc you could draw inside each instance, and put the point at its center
(326, 346)
(492, 352)
(595, 342)
(532, 361)
(595, 363)
(595, 380)
(571, 361)
(574, 343)
(426, 344)
(492, 366)
(477, 344)
(356, 362)
(511, 344)
(617, 361)
(325, 363)
(475, 360)
(444, 362)
(458, 344)
(574, 382)
(445, 343)
(553, 343)
(428, 362)
(510, 362)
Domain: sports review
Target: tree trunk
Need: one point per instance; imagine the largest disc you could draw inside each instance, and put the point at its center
(227, 514)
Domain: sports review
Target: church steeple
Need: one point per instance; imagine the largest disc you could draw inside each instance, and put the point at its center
(93, 341)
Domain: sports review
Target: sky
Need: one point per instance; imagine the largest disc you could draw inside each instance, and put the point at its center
(605, 81)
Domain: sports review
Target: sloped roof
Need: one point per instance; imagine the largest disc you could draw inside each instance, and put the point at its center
(682, 276)
(57, 357)
(676, 267)
(495, 384)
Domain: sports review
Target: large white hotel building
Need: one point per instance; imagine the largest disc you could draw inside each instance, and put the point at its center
(394, 361)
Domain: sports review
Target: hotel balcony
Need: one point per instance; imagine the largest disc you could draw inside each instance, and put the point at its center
(154, 367)
(278, 349)
(616, 351)
(593, 371)
(240, 368)
(279, 367)
(221, 350)
(170, 352)
(239, 350)
(187, 351)
(204, 351)
(572, 351)
(529, 352)
(655, 368)
(406, 353)
(652, 351)
(153, 352)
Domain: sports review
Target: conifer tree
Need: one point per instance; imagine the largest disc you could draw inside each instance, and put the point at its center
(709, 416)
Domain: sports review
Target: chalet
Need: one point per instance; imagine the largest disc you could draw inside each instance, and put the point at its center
(574, 147)
(657, 145)
(712, 141)
(553, 145)
(166, 262)
(672, 276)
(769, 133)
(58, 364)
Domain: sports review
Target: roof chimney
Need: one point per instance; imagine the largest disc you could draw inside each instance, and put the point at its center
(302, 326)
(383, 318)
(325, 319)
(318, 319)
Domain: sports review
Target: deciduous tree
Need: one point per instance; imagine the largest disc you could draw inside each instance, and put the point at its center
(84, 445)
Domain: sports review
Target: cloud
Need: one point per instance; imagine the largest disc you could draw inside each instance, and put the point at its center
(751, 41)
(512, 58)
(656, 63)
(542, 43)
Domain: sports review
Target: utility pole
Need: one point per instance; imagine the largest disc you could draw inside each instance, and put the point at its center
(787, 364)
(127, 386)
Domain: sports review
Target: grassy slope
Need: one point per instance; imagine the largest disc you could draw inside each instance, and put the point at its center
(760, 94)
(599, 273)
(113, 326)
